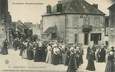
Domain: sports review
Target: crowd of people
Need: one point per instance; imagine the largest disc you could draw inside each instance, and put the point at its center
(101, 54)
(57, 52)
(52, 52)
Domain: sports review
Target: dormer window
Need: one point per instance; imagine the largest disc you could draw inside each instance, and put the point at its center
(59, 6)
(49, 9)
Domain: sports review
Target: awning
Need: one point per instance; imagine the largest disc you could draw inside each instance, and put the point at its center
(51, 30)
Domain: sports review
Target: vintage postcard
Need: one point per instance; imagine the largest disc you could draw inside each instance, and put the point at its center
(57, 35)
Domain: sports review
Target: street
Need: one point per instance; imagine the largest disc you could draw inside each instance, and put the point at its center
(14, 63)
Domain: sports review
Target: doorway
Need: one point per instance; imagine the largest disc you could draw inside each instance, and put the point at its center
(86, 38)
(53, 35)
(96, 37)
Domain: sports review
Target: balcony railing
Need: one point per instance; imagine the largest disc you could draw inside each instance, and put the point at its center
(87, 28)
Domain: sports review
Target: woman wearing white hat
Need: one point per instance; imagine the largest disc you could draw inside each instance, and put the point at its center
(49, 54)
(72, 66)
(56, 55)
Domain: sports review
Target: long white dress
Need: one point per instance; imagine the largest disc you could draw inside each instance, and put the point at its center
(49, 55)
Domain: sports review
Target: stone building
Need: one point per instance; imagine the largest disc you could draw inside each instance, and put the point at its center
(5, 20)
(112, 24)
(74, 21)
(4, 13)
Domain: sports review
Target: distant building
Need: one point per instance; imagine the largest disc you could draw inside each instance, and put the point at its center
(20, 26)
(74, 21)
(112, 24)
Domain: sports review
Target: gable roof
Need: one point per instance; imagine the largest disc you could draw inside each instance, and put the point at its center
(78, 7)
(112, 6)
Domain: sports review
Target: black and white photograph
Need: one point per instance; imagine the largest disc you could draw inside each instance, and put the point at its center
(57, 35)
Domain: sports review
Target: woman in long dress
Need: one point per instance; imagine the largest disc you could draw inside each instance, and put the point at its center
(67, 56)
(102, 54)
(90, 57)
(81, 54)
(24, 53)
(72, 66)
(49, 54)
(22, 48)
(77, 52)
(63, 52)
(38, 53)
(110, 63)
(4, 50)
(56, 56)
(16, 43)
(30, 52)
(44, 48)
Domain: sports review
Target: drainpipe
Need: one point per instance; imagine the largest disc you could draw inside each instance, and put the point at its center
(66, 22)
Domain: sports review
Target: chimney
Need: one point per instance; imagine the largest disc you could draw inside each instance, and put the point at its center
(49, 9)
(59, 6)
(95, 5)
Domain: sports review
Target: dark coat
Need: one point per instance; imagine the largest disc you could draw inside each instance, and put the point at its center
(110, 67)
(88, 50)
(102, 54)
(4, 50)
(81, 56)
(38, 55)
(43, 51)
(90, 57)
(67, 54)
(30, 53)
(78, 61)
(56, 58)
(22, 48)
(72, 66)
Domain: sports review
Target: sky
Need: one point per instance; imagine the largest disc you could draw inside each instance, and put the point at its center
(31, 10)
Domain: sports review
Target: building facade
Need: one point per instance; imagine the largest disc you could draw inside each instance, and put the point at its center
(74, 21)
(112, 24)
(5, 21)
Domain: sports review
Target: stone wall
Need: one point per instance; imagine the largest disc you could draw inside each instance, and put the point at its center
(71, 25)
(74, 25)
(58, 21)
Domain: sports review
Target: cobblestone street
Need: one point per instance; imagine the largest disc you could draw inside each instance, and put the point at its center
(14, 63)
